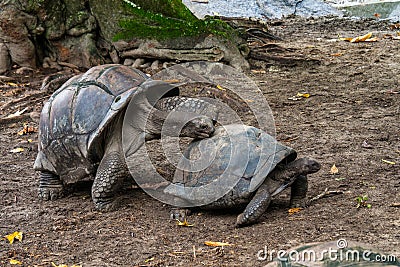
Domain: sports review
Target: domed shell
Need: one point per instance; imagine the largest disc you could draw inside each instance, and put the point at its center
(73, 119)
(228, 168)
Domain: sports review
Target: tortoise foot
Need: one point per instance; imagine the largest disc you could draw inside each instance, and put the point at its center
(298, 202)
(50, 186)
(179, 214)
(106, 205)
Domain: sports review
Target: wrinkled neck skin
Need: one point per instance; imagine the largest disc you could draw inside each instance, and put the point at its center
(175, 124)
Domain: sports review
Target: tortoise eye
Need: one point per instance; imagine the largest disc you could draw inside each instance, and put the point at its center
(118, 98)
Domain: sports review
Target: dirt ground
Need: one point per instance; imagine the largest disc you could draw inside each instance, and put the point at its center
(351, 119)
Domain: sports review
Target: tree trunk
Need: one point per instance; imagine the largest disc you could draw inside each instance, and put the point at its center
(84, 33)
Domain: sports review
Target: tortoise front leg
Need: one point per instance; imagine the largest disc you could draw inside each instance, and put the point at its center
(109, 178)
(299, 188)
(257, 207)
(50, 186)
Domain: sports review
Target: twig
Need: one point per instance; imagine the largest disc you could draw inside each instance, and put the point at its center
(194, 252)
(26, 98)
(326, 193)
(395, 205)
(14, 119)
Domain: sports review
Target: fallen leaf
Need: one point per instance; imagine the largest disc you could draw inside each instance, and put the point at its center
(334, 169)
(184, 223)
(216, 244)
(17, 150)
(377, 15)
(361, 38)
(172, 81)
(294, 210)
(348, 39)
(337, 54)
(12, 84)
(149, 259)
(15, 262)
(395, 26)
(259, 71)
(27, 129)
(375, 39)
(305, 95)
(64, 265)
(220, 87)
(389, 162)
(13, 236)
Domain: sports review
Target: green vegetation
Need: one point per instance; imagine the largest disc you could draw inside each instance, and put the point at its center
(166, 19)
(362, 202)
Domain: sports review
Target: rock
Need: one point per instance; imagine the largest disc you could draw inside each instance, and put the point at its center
(155, 65)
(262, 8)
(5, 62)
(128, 62)
(114, 57)
(138, 62)
(24, 71)
(304, 8)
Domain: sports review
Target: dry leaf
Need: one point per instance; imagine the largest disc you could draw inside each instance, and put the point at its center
(361, 38)
(337, 55)
(220, 87)
(294, 210)
(184, 223)
(375, 39)
(216, 244)
(259, 71)
(13, 236)
(348, 39)
(377, 15)
(334, 169)
(27, 129)
(15, 262)
(64, 265)
(389, 162)
(149, 259)
(12, 84)
(172, 81)
(17, 150)
(364, 38)
(305, 95)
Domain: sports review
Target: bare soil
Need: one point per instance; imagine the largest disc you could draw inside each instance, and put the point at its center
(351, 119)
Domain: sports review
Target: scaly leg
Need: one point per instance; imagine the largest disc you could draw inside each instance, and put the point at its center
(50, 186)
(109, 178)
(299, 190)
(257, 207)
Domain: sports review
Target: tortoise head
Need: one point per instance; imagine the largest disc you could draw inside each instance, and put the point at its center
(199, 127)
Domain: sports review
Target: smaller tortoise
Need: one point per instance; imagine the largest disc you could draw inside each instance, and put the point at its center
(249, 167)
(80, 129)
(330, 254)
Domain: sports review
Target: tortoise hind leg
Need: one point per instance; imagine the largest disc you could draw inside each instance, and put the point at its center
(299, 188)
(50, 186)
(109, 178)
